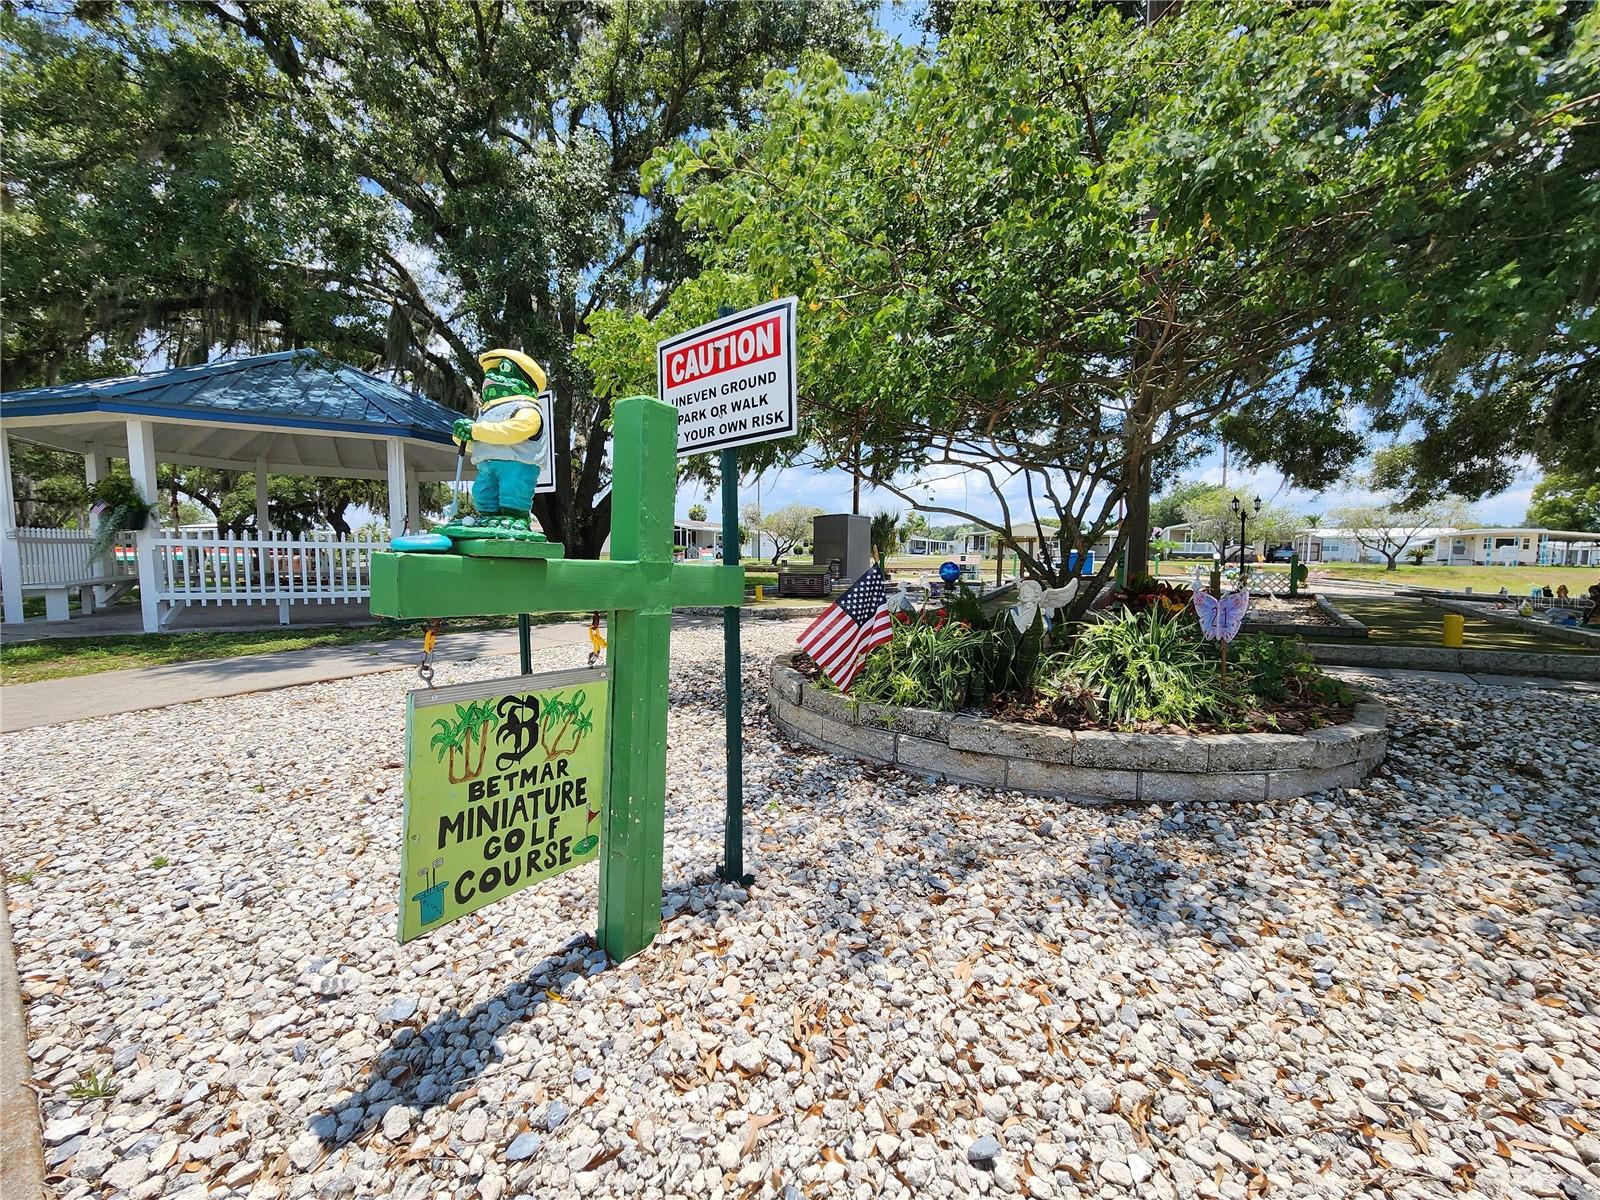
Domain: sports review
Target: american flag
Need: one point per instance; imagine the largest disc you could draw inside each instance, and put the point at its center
(839, 639)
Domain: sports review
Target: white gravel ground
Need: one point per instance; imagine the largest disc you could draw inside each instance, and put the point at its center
(931, 990)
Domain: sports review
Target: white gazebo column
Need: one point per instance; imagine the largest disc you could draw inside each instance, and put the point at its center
(414, 501)
(142, 466)
(397, 487)
(263, 509)
(10, 548)
(96, 466)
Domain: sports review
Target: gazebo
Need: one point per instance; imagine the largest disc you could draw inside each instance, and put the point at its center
(294, 413)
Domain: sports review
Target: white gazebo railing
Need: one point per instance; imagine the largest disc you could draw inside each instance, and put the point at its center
(200, 566)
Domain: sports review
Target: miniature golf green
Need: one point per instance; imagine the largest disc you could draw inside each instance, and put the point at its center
(1397, 621)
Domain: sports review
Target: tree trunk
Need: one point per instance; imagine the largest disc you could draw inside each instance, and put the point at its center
(1391, 558)
(1135, 531)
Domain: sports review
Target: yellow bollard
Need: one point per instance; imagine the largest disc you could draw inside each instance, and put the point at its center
(759, 595)
(1455, 626)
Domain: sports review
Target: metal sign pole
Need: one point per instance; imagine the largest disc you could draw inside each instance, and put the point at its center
(732, 869)
(733, 824)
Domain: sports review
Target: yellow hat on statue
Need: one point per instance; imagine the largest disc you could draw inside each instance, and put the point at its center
(490, 359)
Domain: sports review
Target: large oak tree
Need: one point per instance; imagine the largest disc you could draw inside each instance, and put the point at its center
(400, 184)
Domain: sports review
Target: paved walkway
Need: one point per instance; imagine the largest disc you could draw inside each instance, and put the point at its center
(79, 697)
(52, 701)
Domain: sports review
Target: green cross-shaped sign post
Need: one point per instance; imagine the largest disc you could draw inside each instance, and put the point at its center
(638, 587)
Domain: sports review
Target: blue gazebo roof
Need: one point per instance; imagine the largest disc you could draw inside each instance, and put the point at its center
(295, 389)
(298, 410)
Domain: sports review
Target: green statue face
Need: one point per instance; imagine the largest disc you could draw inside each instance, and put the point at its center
(505, 380)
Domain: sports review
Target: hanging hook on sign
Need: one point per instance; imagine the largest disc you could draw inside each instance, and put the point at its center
(597, 641)
(430, 638)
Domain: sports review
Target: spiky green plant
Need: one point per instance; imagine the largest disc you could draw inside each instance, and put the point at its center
(1149, 668)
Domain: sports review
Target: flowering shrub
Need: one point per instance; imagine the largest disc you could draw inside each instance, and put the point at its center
(1147, 594)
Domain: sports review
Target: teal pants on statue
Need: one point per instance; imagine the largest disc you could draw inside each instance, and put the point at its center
(504, 485)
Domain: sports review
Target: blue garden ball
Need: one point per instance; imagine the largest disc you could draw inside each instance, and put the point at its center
(949, 572)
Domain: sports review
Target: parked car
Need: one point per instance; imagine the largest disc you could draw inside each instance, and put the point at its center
(1280, 554)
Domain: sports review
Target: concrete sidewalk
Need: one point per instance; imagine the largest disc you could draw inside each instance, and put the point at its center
(21, 1155)
(52, 701)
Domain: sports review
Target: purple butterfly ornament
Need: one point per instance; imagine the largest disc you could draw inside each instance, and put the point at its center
(1220, 619)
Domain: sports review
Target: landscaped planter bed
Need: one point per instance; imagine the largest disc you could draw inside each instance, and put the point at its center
(1147, 767)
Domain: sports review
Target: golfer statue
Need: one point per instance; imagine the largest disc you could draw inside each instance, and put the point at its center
(506, 442)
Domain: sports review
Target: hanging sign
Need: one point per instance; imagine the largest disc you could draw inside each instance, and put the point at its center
(732, 381)
(505, 785)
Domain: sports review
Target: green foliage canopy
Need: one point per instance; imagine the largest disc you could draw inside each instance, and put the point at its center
(1211, 513)
(399, 184)
(1565, 501)
(1070, 249)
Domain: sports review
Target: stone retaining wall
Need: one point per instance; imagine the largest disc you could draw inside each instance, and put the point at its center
(1346, 622)
(1104, 766)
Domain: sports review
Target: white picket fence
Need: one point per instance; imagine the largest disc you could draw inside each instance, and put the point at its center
(56, 558)
(200, 566)
(1263, 582)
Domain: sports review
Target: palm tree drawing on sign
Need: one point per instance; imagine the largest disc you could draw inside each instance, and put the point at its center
(564, 724)
(468, 732)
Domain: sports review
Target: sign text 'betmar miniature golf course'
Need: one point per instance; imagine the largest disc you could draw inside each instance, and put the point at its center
(638, 588)
(505, 786)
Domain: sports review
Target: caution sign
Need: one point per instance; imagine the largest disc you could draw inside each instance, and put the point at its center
(732, 381)
(505, 785)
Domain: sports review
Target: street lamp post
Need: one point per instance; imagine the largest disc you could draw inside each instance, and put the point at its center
(1243, 514)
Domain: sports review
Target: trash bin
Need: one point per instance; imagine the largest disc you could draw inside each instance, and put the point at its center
(1455, 627)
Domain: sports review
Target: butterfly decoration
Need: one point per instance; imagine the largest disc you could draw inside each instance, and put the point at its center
(1220, 619)
(1032, 599)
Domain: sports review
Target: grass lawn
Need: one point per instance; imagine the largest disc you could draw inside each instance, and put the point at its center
(59, 658)
(1397, 621)
(1454, 579)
